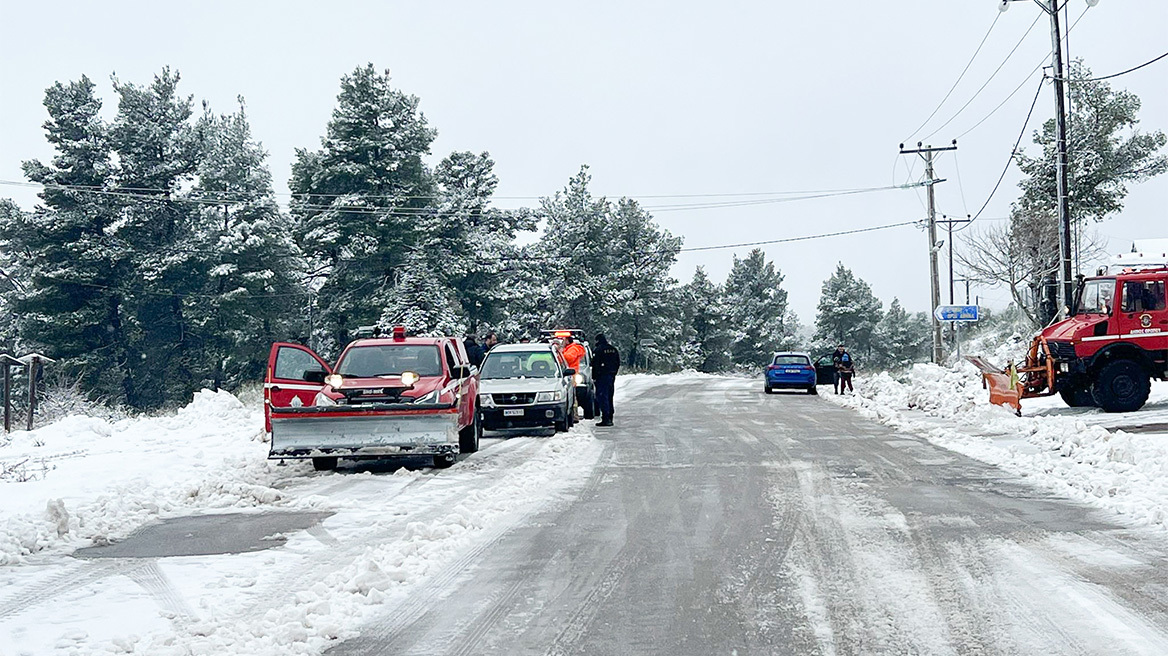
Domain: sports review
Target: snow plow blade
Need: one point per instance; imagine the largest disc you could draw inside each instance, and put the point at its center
(315, 432)
(1004, 386)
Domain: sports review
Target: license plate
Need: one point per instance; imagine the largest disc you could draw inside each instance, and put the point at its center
(791, 371)
(516, 412)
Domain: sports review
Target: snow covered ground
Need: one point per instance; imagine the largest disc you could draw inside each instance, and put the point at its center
(1115, 461)
(84, 481)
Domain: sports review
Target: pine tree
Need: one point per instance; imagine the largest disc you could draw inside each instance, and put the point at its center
(358, 200)
(252, 294)
(899, 338)
(639, 302)
(72, 303)
(756, 305)
(420, 301)
(473, 242)
(847, 313)
(157, 149)
(706, 345)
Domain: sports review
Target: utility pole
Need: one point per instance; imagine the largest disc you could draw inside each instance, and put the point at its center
(1051, 7)
(926, 152)
(949, 223)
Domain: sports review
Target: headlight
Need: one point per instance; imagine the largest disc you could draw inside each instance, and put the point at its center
(333, 380)
(579, 378)
(322, 399)
(409, 378)
(545, 397)
(432, 397)
(486, 401)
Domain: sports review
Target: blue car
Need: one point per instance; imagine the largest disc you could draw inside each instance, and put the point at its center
(790, 371)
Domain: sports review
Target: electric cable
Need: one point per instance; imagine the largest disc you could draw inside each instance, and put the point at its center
(987, 82)
(1014, 152)
(1108, 77)
(955, 83)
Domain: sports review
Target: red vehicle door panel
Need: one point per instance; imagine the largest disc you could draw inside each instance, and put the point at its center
(294, 373)
(1143, 307)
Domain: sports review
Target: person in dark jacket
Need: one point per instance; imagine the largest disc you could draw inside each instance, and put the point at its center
(845, 368)
(475, 353)
(605, 363)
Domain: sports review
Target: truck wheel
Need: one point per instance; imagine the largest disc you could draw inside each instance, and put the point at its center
(1078, 397)
(1121, 386)
(442, 462)
(468, 437)
(588, 405)
(326, 463)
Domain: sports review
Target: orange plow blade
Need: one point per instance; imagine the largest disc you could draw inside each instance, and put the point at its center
(1004, 386)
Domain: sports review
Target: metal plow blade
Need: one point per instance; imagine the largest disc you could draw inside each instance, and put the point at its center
(1003, 384)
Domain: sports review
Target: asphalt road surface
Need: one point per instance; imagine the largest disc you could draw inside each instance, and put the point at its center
(724, 521)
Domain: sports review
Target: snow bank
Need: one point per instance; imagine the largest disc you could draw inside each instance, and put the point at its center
(385, 572)
(85, 480)
(1073, 451)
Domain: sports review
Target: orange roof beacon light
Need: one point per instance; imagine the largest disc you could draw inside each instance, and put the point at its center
(563, 333)
(399, 332)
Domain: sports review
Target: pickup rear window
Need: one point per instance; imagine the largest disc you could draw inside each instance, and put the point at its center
(390, 360)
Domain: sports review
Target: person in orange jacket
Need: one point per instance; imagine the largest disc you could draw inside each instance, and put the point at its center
(573, 352)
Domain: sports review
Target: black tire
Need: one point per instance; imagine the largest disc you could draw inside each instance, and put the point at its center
(1078, 397)
(442, 462)
(812, 390)
(324, 463)
(767, 389)
(588, 404)
(1121, 386)
(468, 437)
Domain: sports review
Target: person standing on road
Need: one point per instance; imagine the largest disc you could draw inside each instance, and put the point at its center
(605, 363)
(845, 368)
(475, 353)
(573, 352)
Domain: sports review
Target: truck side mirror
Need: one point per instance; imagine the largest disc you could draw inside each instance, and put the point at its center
(569, 372)
(314, 376)
(461, 371)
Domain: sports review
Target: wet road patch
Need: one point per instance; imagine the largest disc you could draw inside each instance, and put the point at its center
(207, 535)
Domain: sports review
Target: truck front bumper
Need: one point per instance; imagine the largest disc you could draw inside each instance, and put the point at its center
(346, 432)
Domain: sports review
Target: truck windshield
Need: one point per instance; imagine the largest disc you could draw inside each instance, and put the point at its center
(390, 360)
(519, 364)
(1096, 297)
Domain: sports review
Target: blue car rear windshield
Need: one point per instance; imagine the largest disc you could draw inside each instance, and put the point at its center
(792, 360)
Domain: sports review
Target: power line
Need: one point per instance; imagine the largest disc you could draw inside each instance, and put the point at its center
(987, 82)
(1014, 152)
(1108, 77)
(1029, 75)
(225, 196)
(955, 83)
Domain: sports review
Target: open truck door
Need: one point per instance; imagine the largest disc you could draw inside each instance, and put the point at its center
(295, 375)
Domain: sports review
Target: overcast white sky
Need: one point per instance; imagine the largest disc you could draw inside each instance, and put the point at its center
(657, 98)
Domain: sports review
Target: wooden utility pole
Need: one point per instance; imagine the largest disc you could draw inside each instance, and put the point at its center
(1051, 7)
(926, 152)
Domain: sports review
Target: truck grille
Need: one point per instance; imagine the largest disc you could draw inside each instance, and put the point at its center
(521, 398)
(1062, 351)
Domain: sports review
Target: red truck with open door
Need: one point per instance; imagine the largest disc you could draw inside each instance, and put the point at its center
(385, 397)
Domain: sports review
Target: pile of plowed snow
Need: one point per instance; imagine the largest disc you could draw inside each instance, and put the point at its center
(84, 480)
(1117, 461)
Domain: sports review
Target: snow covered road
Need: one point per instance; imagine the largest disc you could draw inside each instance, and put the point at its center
(713, 519)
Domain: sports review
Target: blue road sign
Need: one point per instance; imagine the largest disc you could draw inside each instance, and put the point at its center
(956, 313)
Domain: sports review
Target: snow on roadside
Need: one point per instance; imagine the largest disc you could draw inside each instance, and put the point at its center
(85, 480)
(386, 572)
(1126, 472)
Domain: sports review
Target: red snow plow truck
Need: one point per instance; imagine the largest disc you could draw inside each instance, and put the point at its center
(1105, 354)
(387, 396)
